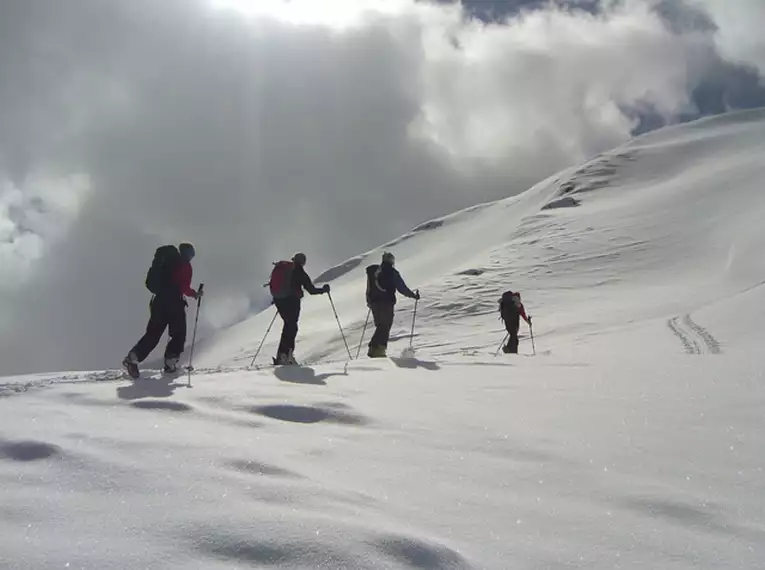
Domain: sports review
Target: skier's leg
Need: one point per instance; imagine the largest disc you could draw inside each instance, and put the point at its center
(383, 319)
(289, 311)
(512, 324)
(386, 323)
(154, 329)
(512, 344)
(279, 304)
(177, 342)
(291, 327)
(376, 342)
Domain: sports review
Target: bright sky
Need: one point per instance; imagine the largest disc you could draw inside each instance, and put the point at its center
(332, 13)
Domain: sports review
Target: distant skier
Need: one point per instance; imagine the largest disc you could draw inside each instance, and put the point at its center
(169, 279)
(511, 310)
(382, 283)
(288, 279)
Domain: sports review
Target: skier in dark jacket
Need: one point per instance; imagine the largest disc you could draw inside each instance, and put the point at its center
(382, 283)
(167, 311)
(511, 310)
(288, 307)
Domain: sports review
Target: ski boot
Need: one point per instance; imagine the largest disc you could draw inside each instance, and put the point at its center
(377, 352)
(285, 359)
(171, 365)
(131, 366)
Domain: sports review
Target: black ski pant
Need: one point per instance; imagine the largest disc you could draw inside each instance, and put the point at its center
(289, 311)
(382, 313)
(512, 324)
(164, 314)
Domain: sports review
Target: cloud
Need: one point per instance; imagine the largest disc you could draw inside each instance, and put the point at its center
(131, 124)
(740, 36)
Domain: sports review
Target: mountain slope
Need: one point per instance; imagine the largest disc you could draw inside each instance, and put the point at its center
(667, 225)
(634, 439)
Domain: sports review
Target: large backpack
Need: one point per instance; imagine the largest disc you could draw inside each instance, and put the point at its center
(379, 285)
(280, 283)
(159, 278)
(509, 305)
(371, 282)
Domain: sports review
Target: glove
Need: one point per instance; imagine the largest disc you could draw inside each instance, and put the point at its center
(417, 294)
(529, 317)
(325, 289)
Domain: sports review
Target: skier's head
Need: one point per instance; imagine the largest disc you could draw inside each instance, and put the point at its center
(388, 257)
(187, 251)
(299, 259)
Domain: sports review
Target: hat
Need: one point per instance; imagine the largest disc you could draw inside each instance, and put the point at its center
(299, 258)
(388, 257)
(187, 251)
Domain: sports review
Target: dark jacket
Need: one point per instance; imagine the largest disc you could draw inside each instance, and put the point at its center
(382, 283)
(300, 281)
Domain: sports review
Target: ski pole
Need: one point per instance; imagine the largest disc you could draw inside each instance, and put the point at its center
(414, 316)
(331, 302)
(264, 339)
(189, 368)
(364, 330)
(501, 343)
(533, 347)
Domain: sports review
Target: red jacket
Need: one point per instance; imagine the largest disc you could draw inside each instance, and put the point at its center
(523, 313)
(182, 278)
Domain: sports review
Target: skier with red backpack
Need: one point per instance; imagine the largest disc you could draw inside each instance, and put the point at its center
(288, 279)
(511, 310)
(169, 280)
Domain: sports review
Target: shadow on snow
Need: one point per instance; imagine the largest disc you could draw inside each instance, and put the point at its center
(305, 375)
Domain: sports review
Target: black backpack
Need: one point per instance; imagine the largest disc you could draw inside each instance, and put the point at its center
(159, 278)
(508, 306)
(371, 278)
(380, 285)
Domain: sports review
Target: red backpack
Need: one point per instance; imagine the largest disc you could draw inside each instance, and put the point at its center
(280, 283)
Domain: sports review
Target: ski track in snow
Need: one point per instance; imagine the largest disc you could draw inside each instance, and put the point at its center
(694, 338)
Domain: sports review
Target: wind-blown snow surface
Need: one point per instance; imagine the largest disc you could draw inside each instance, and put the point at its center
(632, 440)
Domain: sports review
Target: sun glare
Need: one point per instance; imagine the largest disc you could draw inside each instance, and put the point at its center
(331, 13)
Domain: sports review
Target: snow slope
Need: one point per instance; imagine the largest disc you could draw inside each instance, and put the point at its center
(629, 243)
(633, 439)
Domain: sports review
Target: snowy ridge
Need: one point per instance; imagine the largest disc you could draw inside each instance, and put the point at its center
(632, 440)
